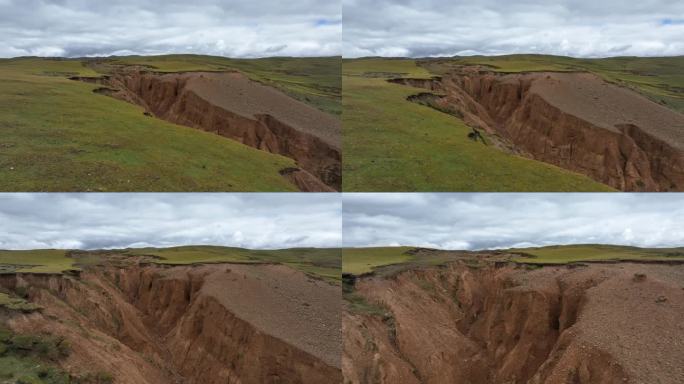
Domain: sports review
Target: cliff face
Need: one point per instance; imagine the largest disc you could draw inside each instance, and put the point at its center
(159, 325)
(505, 325)
(572, 120)
(206, 101)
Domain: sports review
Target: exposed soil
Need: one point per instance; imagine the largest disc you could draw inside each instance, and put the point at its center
(573, 120)
(231, 105)
(505, 324)
(218, 323)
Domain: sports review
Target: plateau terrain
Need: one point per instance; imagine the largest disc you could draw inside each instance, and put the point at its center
(563, 314)
(170, 123)
(514, 123)
(193, 314)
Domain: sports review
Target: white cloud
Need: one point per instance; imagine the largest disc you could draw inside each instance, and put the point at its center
(31, 221)
(233, 28)
(490, 220)
(583, 28)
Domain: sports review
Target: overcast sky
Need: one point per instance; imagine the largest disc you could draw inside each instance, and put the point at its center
(88, 221)
(234, 28)
(581, 28)
(480, 221)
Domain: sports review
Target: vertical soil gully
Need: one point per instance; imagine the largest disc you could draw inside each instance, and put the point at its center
(506, 324)
(576, 121)
(212, 324)
(230, 105)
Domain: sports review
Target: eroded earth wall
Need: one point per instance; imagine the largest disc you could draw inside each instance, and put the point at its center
(171, 325)
(459, 324)
(573, 120)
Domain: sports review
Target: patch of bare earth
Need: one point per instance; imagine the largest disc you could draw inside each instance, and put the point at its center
(576, 121)
(218, 323)
(617, 323)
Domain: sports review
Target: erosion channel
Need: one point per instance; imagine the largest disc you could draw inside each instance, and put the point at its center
(503, 323)
(231, 105)
(216, 323)
(576, 121)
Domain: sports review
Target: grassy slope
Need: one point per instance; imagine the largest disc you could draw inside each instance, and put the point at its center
(394, 145)
(31, 359)
(312, 80)
(36, 261)
(322, 262)
(56, 135)
(659, 78)
(362, 260)
(594, 252)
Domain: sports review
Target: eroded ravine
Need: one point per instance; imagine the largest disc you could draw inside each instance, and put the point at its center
(200, 324)
(573, 120)
(504, 325)
(231, 105)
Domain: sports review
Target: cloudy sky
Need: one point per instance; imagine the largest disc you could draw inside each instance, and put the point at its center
(232, 28)
(88, 221)
(480, 221)
(581, 28)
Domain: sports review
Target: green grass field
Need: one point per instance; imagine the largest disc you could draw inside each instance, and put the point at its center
(56, 135)
(36, 261)
(362, 260)
(395, 145)
(594, 252)
(325, 263)
(358, 261)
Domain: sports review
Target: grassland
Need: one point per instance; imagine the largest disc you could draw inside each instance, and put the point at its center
(30, 359)
(56, 135)
(594, 252)
(17, 304)
(358, 261)
(324, 263)
(394, 145)
(36, 261)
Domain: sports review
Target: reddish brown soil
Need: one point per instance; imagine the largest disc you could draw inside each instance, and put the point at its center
(231, 105)
(221, 323)
(575, 325)
(574, 120)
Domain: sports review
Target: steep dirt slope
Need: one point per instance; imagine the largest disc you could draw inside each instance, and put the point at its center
(222, 323)
(231, 105)
(584, 324)
(573, 120)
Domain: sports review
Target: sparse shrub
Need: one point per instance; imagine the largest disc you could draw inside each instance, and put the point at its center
(358, 304)
(22, 343)
(427, 286)
(44, 347)
(21, 292)
(638, 277)
(5, 334)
